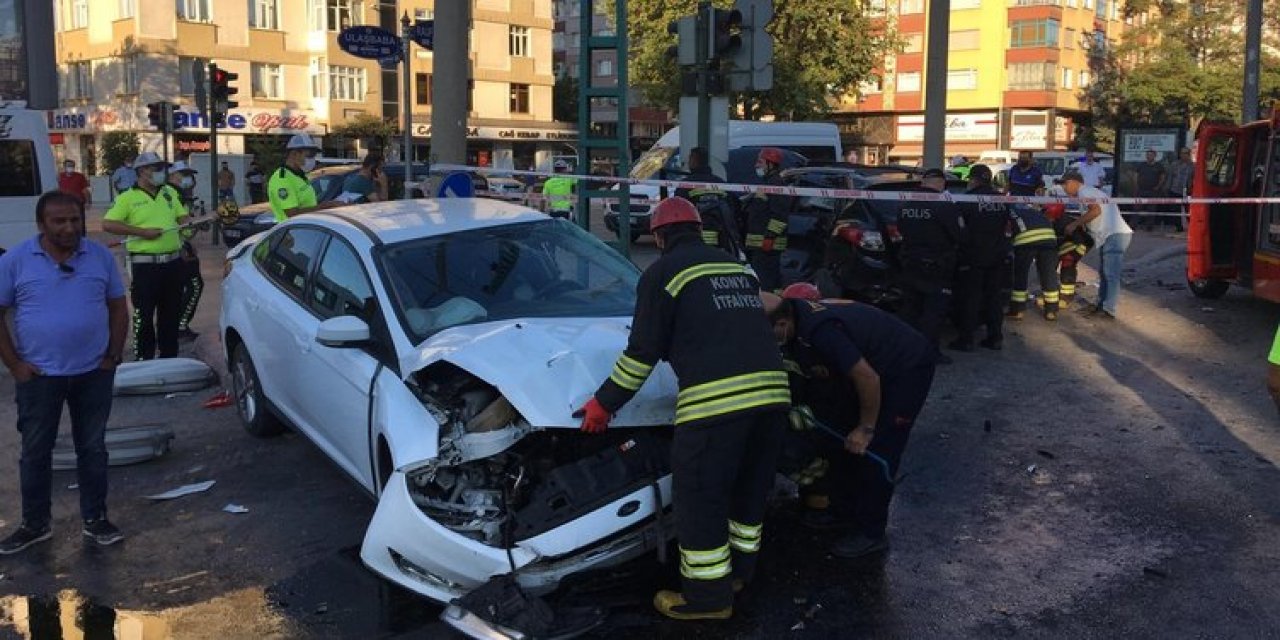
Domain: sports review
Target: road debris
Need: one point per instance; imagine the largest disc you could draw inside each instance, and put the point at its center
(1152, 571)
(1046, 454)
(218, 401)
(176, 394)
(986, 426)
(1031, 469)
(1207, 309)
(125, 445)
(799, 626)
(184, 490)
(235, 508)
(73, 486)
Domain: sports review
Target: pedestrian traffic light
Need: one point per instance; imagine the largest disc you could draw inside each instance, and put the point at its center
(160, 115)
(725, 33)
(221, 91)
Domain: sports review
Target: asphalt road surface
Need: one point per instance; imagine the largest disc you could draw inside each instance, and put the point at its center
(1090, 480)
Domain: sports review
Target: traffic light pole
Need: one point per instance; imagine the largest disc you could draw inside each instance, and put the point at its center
(214, 115)
(706, 22)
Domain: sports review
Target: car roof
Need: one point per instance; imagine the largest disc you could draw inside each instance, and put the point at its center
(401, 220)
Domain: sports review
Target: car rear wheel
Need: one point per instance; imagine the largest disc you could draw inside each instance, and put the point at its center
(1211, 289)
(251, 404)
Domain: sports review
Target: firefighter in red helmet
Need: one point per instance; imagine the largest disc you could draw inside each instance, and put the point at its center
(701, 312)
(767, 217)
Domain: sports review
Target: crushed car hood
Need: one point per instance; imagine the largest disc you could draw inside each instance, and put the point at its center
(549, 367)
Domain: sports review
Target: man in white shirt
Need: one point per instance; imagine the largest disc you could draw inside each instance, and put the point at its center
(1110, 234)
(1092, 172)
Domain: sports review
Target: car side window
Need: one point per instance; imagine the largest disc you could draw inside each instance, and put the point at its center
(292, 256)
(341, 287)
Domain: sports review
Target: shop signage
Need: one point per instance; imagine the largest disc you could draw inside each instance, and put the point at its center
(504, 133)
(960, 127)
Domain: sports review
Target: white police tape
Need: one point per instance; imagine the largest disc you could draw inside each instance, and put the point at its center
(858, 194)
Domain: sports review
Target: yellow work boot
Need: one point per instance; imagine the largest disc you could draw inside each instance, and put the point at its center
(1051, 316)
(672, 605)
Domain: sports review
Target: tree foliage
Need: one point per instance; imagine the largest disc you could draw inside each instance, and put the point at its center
(1183, 65)
(117, 147)
(564, 99)
(822, 50)
(374, 131)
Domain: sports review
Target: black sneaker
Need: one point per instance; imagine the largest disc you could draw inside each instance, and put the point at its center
(102, 532)
(24, 537)
(859, 546)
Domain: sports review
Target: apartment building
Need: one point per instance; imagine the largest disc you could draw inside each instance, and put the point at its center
(116, 56)
(1015, 74)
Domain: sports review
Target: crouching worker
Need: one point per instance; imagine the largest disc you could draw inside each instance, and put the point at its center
(701, 311)
(890, 367)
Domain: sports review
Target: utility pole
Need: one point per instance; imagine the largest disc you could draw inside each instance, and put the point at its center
(38, 42)
(406, 52)
(935, 83)
(452, 72)
(1252, 59)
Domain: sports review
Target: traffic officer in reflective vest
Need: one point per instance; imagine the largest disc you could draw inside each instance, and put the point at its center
(715, 207)
(930, 241)
(182, 182)
(1036, 242)
(559, 191)
(149, 215)
(983, 276)
(767, 217)
(702, 312)
(288, 189)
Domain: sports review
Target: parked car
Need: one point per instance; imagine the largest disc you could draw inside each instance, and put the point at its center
(327, 181)
(436, 350)
(503, 188)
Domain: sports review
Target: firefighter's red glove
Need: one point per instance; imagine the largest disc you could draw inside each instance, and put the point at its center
(595, 418)
(766, 244)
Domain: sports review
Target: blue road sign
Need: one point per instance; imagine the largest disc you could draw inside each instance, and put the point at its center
(424, 33)
(389, 63)
(456, 185)
(372, 43)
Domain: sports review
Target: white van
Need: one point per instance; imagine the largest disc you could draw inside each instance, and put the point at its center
(816, 141)
(26, 170)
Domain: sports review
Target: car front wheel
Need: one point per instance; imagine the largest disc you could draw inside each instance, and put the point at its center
(251, 404)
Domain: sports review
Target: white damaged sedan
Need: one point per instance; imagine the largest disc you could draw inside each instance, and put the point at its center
(436, 350)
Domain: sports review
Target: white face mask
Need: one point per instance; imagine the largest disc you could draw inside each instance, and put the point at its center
(308, 164)
(157, 178)
(187, 182)
(761, 171)
(68, 168)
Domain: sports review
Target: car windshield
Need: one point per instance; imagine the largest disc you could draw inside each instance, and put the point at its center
(653, 161)
(543, 269)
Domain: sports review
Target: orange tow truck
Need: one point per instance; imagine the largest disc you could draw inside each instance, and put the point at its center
(1236, 243)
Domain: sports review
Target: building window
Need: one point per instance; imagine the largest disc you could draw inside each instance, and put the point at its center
(908, 82)
(914, 43)
(79, 14)
(911, 6)
(127, 9)
(1033, 33)
(871, 86)
(268, 81)
(79, 80)
(1084, 78)
(1088, 4)
(264, 14)
(519, 42)
(962, 79)
(423, 82)
(967, 40)
(424, 14)
(188, 68)
(1068, 76)
(318, 77)
(965, 4)
(129, 64)
(346, 83)
(1069, 39)
(1102, 13)
(519, 98)
(334, 15)
(604, 68)
(194, 11)
(1031, 76)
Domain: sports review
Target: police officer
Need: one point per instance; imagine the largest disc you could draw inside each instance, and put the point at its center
(888, 367)
(288, 189)
(983, 276)
(702, 312)
(715, 207)
(930, 242)
(767, 217)
(182, 180)
(149, 215)
(559, 191)
(1036, 242)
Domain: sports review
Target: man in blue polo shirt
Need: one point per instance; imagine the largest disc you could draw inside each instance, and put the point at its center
(1025, 178)
(69, 320)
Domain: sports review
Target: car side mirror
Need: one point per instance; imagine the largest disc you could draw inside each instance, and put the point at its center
(343, 332)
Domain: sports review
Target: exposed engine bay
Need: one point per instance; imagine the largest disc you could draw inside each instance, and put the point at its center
(499, 480)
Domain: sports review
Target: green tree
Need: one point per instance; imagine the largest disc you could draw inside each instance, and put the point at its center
(822, 50)
(564, 99)
(266, 151)
(117, 147)
(374, 131)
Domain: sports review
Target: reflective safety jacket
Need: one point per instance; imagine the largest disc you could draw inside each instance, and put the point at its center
(289, 189)
(1034, 229)
(559, 192)
(767, 216)
(988, 226)
(702, 313)
(715, 207)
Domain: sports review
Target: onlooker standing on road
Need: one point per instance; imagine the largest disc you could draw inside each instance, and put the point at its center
(370, 183)
(1273, 371)
(70, 320)
(1180, 183)
(73, 183)
(226, 183)
(1093, 173)
(150, 213)
(1110, 234)
(1150, 179)
(123, 178)
(1025, 178)
(257, 182)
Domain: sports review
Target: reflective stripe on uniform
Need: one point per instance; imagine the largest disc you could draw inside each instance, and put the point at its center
(677, 283)
(1068, 289)
(730, 395)
(630, 373)
(1034, 235)
(1066, 247)
(756, 241)
(694, 193)
(1050, 297)
(711, 238)
(705, 565)
(1018, 296)
(733, 384)
(745, 538)
(777, 226)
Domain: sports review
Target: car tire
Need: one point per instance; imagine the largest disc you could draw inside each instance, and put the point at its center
(1208, 289)
(251, 403)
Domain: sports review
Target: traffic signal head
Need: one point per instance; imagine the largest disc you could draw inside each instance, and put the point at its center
(155, 114)
(220, 89)
(726, 33)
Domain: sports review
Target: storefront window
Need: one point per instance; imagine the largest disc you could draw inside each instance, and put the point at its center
(524, 156)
